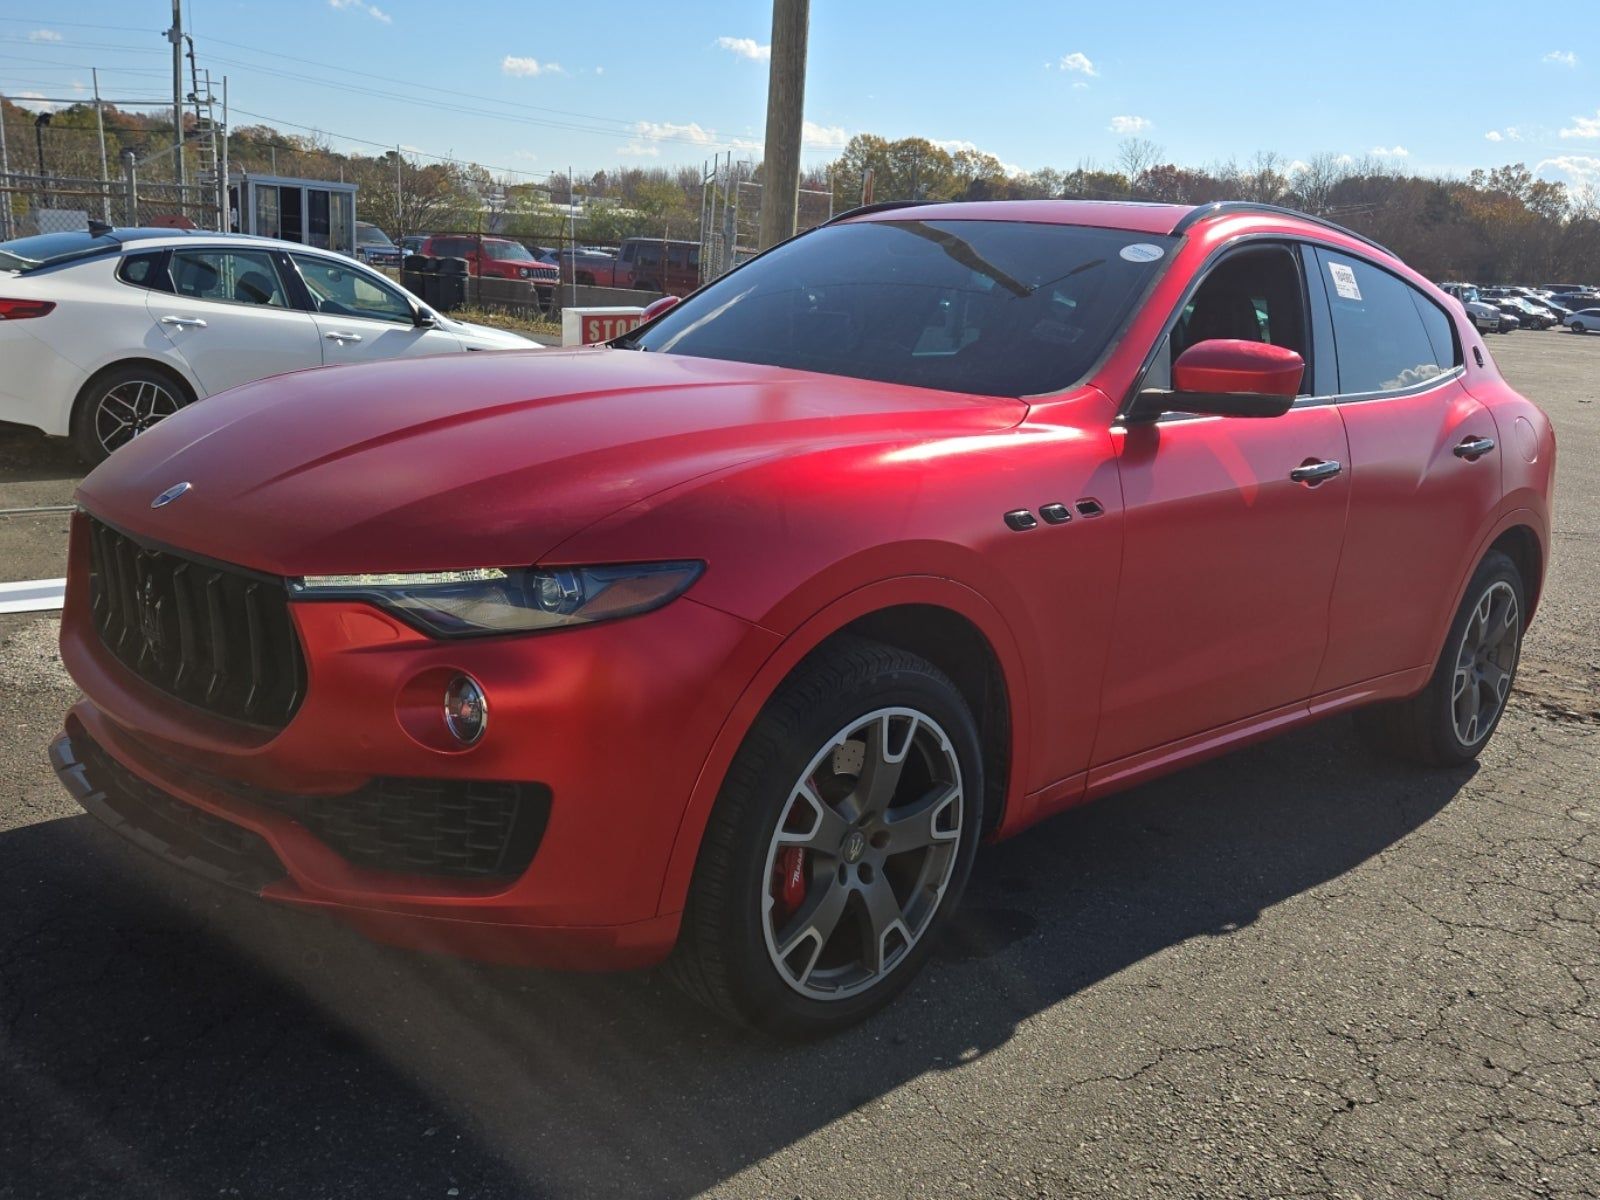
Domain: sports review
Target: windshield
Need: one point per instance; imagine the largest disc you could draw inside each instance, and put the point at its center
(371, 235)
(510, 251)
(998, 308)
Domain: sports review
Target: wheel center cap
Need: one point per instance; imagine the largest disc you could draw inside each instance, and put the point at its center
(853, 846)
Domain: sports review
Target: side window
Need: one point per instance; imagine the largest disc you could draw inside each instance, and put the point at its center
(338, 290)
(1378, 330)
(229, 276)
(1440, 329)
(1253, 295)
(627, 251)
(144, 270)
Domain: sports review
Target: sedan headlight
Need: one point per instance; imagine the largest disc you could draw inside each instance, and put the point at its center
(490, 600)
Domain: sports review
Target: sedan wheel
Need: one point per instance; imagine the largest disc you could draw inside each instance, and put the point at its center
(117, 407)
(862, 854)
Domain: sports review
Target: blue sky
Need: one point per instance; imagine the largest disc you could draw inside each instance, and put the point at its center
(1438, 87)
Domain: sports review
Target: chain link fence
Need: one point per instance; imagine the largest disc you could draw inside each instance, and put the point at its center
(31, 204)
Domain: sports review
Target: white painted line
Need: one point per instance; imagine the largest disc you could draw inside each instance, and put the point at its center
(32, 595)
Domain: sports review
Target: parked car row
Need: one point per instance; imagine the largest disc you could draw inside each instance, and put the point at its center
(106, 332)
(1502, 309)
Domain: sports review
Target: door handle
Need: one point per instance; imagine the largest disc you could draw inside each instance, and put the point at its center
(180, 322)
(341, 338)
(1474, 448)
(1313, 473)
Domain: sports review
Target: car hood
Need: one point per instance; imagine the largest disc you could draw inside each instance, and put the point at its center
(480, 459)
(486, 337)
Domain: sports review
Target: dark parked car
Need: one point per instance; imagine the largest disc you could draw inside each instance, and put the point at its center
(374, 247)
(659, 265)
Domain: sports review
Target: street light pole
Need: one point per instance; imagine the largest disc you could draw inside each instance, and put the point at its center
(786, 99)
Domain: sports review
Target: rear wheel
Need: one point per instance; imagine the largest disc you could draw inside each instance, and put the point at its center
(842, 840)
(1450, 721)
(118, 405)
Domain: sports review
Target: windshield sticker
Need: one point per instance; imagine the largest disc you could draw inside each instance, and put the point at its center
(1142, 252)
(1344, 281)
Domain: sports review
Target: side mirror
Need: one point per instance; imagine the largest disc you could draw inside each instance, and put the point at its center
(423, 319)
(1226, 378)
(656, 307)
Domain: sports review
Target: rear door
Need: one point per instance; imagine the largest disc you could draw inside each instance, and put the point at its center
(1423, 485)
(231, 317)
(360, 316)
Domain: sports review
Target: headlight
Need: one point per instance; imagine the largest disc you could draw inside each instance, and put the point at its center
(491, 600)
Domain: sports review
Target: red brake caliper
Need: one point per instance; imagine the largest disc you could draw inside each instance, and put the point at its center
(791, 881)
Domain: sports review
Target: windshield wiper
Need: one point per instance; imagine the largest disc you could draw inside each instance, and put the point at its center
(963, 252)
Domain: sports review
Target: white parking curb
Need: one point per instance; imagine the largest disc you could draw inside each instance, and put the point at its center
(32, 595)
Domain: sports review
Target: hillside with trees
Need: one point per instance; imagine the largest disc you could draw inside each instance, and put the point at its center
(1500, 225)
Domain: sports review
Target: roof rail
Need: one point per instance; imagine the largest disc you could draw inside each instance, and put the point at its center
(1221, 208)
(881, 206)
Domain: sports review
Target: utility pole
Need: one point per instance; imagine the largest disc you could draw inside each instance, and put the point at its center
(100, 125)
(786, 102)
(5, 173)
(175, 36)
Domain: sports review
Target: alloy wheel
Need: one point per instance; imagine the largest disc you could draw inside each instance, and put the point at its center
(1485, 663)
(862, 854)
(129, 409)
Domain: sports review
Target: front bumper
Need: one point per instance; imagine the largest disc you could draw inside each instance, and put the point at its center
(614, 719)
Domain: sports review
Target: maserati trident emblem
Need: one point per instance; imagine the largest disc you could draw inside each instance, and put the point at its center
(171, 494)
(855, 845)
(150, 617)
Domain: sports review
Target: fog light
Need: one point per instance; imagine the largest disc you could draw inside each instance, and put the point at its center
(466, 709)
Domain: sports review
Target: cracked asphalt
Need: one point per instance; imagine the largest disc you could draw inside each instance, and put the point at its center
(1296, 971)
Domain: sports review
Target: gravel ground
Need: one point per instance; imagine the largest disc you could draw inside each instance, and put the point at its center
(1294, 971)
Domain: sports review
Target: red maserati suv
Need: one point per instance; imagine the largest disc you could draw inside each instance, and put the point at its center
(727, 643)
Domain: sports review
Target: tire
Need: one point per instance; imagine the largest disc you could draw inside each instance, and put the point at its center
(1432, 727)
(120, 403)
(778, 864)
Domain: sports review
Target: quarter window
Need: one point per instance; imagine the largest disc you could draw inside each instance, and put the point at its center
(229, 276)
(144, 270)
(341, 291)
(1381, 333)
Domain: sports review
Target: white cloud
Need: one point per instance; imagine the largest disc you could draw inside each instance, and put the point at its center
(822, 137)
(746, 48)
(1562, 58)
(1130, 125)
(1584, 127)
(36, 101)
(955, 145)
(1389, 152)
(512, 64)
(599, 70)
(1077, 62)
(648, 133)
(1344, 160)
(408, 148)
(1298, 165)
(372, 10)
(525, 155)
(44, 35)
(1580, 168)
(1494, 135)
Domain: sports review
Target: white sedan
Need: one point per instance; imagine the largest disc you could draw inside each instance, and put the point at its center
(104, 332)
(1585, 320)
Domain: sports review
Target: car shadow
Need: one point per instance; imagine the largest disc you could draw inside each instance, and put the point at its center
(165, 1038)
(28, 456)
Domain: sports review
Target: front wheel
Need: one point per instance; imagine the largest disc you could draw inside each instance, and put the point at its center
(841, 842)
(1450, 721)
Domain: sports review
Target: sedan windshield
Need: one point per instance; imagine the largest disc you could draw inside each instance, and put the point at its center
(998, 308)
(507, 251)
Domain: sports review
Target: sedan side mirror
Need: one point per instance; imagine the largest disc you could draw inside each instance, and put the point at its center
(1226, 378)
(423, 319)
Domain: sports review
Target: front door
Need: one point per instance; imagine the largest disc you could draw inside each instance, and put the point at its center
(361, 316)
(1230, 546)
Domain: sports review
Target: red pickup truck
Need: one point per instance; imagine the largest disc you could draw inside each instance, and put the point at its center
(495, 258)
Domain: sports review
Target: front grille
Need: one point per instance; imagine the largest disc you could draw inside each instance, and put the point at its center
(213, 636)
(472, 829)
(462, 829)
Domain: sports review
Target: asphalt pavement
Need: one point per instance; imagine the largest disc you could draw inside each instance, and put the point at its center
(1295, 971)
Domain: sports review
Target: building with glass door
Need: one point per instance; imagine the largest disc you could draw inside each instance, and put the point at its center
(313, 212)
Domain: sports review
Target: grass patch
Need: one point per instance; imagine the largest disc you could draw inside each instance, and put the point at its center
(499, 318)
